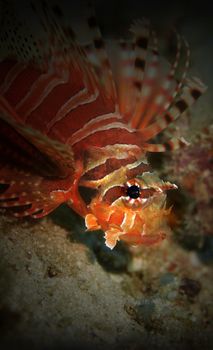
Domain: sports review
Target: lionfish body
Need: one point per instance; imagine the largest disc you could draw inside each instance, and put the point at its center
(68, 122)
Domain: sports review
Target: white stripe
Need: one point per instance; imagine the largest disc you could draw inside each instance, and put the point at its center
(159, 99)
(55, 82)
(92, 123)
(128, 221)
(124, 221)
(152, 130)
(116, 125)
(135, 164)
(123, 149)
(118, 182)
(95, 120)
(51, 85)
(118, 151)
(117, 178)
(133, 216)
(11, 76)
(71, 104)
(118, 201)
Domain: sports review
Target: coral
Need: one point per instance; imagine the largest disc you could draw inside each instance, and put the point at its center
(191, 167)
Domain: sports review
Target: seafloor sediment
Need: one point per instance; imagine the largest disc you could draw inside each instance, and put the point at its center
(54, 293)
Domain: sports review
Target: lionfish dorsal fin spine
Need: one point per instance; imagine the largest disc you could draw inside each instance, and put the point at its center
(163, 94)
(99, 46)
(192, 89)
(146, 68)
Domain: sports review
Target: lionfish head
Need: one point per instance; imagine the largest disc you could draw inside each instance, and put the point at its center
(134, 212)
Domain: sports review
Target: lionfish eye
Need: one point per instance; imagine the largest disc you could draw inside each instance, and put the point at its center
(133, 191)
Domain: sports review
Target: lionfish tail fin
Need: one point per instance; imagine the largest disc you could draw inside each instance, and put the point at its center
(98, 57)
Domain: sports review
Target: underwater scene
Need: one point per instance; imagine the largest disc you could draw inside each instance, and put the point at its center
(106, 185)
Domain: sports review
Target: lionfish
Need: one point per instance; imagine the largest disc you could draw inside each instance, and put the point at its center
(71, 119)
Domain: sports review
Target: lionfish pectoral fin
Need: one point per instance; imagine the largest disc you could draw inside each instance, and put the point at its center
(159, 93)
(192, 89)
(91, 222)
(26, 194)
(158, 98)
(172, 144)
(131, 67)
(97, 56)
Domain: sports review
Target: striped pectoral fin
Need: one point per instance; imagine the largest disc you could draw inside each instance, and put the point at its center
(159, 92)
(104, 71)
(28, 177)
(146, 75)
(26, 194)
(35, 152)
(61, 154)
(132, 65)
(142, 33)
(124, 77)
(155, 103)
(171, 145)
(166, 89)
(191, 91)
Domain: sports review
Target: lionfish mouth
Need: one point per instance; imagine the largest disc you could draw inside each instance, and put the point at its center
(150, 227)
(134, 238)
